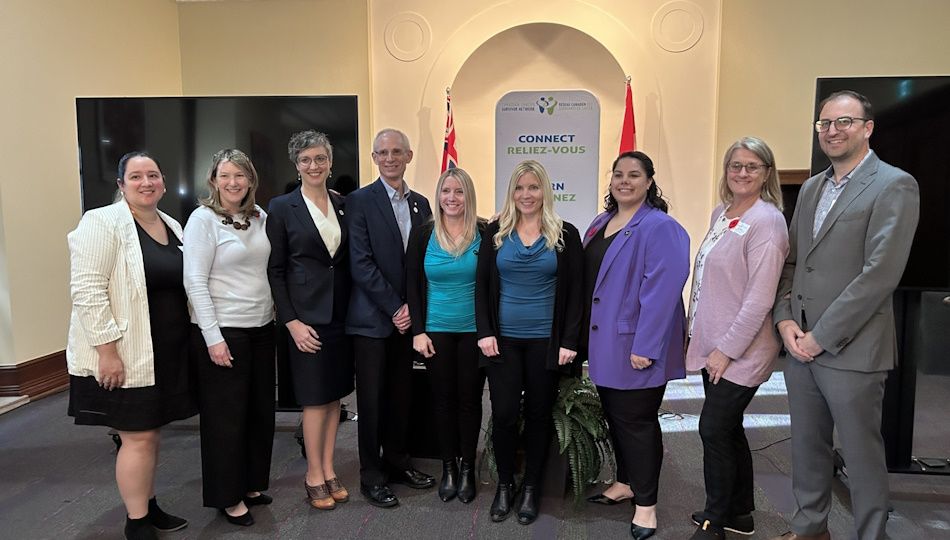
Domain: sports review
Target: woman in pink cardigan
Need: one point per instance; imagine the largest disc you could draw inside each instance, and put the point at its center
(732, 340)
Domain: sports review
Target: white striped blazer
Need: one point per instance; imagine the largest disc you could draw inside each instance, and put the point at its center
(107, 286)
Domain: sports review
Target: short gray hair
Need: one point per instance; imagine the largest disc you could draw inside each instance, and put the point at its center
(392, 131)
(302, 140)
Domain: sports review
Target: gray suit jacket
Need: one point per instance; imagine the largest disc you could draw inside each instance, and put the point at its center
(839, 285)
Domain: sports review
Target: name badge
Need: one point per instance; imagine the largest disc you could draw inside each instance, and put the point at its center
(739, 228)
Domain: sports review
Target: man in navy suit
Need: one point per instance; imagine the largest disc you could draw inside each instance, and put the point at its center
(380, 217)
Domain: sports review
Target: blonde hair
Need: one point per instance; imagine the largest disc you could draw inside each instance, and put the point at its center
(239, 159)
(551, 223)
(469, 218)
(771, 188)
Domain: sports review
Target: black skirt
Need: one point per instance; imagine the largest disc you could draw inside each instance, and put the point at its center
(327, 375)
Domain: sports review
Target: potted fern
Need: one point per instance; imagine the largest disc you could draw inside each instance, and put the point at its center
(583, 440)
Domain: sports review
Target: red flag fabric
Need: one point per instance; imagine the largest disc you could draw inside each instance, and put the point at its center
(628, 134)
(450, 156)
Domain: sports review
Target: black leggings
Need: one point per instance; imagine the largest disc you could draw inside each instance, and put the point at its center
(522, 368)
(635, 433)
(457, 385)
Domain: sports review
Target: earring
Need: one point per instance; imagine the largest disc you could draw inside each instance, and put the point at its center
(299, 179)
(329, 175)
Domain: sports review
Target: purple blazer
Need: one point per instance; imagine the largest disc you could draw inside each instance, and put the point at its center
(637, 306)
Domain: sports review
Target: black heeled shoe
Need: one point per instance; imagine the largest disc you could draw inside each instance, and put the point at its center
(501, 505)
(244, 520)
(528, 512)
(139, 529)
(448, 488)
(467, 482)
(163, 521)
(641, 533)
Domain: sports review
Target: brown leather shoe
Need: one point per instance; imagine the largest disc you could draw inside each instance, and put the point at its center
(792, 536)
(320, 497)
(337, 491)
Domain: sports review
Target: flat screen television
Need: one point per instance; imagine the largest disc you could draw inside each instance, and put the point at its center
(910, 132)
(184, 132)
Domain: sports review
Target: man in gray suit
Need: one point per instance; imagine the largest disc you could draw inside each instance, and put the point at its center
(850, 237)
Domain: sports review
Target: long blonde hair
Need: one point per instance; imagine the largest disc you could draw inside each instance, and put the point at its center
(551, 223)
(469, 218)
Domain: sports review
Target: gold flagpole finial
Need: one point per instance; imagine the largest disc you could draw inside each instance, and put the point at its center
(629, 78)
(448, 90)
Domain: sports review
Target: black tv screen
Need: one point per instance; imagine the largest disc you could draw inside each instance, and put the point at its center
(910, 132)
(184, 132)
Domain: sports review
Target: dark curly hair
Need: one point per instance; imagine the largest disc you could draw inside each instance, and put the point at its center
(654, 194)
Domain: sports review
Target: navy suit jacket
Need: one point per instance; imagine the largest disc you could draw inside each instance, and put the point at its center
(302, 274)
(377, 258)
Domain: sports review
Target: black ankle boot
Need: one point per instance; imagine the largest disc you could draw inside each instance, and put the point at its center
(504, 499)
(467, 482)
(139, 529)
(528, 512)
(450, 480)
(162, 520)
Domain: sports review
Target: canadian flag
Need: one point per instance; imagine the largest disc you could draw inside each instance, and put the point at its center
(450, 156)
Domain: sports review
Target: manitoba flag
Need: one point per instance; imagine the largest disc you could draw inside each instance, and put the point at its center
(628, 133)
(450, 156)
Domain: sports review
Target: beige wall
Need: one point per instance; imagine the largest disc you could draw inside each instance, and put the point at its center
(279, 47)
(772, 52)
(50, 52)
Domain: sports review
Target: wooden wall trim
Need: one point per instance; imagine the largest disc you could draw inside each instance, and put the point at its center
(793, 177)
(35, 378)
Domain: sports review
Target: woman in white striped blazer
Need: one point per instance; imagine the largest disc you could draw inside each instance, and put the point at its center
(127, 352)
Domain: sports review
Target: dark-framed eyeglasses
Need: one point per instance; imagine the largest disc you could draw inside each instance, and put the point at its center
(841, 123)
(751, 168)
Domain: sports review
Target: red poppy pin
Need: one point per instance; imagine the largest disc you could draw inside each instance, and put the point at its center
(733, 223)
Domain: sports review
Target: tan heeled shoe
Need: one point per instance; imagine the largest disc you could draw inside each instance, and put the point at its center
(319, 497)
(337, 491)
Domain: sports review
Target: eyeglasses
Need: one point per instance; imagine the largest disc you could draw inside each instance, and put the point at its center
(750, 168)
(319, 160)
(841, 123)
(395, 152)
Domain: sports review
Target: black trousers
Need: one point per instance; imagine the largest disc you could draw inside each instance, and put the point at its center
(383, 400)
(522, 369)
(457, 384)
(638, 442)
(727, 460)
(237, 414)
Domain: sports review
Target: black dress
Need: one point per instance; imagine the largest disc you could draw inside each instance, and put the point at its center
(173, 396)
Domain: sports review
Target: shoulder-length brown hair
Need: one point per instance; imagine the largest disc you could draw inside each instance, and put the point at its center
(240, 159)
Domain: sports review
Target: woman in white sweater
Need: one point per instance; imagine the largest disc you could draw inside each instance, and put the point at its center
(226, 252)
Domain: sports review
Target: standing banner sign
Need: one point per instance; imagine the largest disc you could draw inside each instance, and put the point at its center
(561, 130)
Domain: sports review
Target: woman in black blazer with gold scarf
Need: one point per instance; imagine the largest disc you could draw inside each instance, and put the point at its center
(310, 279)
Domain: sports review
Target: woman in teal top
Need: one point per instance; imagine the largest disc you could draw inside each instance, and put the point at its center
(440, 270)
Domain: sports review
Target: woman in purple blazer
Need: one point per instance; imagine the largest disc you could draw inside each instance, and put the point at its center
(636, 261)
(732, 340)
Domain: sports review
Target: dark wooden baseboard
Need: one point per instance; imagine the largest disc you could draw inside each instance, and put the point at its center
(35, 378)
(793, 177)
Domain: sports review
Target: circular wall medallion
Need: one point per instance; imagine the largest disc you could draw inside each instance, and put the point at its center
(677, 25)
(407, 36)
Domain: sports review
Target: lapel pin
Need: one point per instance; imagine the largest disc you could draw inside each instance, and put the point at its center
(626, 233)
(340, 211)
(415, 209)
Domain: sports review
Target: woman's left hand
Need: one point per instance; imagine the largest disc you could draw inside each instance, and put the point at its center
(565, 356)
(220, 354)
(640, 362)
(716, 365)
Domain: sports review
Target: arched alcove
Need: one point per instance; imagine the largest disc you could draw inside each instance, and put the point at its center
(539, 56)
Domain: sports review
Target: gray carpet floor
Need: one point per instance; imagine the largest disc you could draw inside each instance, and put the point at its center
(56, 481)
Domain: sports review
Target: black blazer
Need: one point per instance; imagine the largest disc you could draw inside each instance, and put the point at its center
(568, 296)
(377, 260)
(417, 285)
(304, 279)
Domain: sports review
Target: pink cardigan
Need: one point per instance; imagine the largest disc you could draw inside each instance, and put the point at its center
(733, 312)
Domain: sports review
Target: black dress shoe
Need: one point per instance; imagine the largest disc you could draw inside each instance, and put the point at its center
(708, 531)
(743, 524)
(263, 498)
(467, 482)
(641, 533)
(139, 529)
(162, 520)
(380, 496)
(412, 478)
(504, 500)
(528, 512)
(600, 498)
(448, 488)
(244, 520)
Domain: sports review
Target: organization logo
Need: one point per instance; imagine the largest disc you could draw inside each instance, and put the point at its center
(546, 104)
